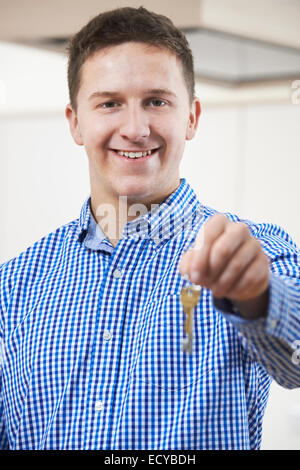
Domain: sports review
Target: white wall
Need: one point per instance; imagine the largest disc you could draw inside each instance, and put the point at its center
(245, 159)
(250, 156)
(44, 179)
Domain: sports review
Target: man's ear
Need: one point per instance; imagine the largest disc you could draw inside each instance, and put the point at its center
(73, 124)
(193, 119)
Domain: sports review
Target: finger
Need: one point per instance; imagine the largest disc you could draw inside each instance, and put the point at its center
(204, 240)
(185, 262)
(235, 268)
(226, 247)
(254, 281)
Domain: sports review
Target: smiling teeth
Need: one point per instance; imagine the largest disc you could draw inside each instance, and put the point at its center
(134, 154)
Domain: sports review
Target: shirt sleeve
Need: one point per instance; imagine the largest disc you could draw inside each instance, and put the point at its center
(4, 443)
(274, 341)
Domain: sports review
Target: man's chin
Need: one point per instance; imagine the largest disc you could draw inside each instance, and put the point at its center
(135, 191)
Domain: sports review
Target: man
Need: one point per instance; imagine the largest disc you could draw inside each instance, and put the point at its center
(91, 320)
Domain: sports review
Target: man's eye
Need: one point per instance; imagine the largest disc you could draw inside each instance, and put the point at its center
(157, 102)
(109, 104)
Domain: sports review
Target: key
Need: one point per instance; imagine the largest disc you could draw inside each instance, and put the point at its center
(189, 298)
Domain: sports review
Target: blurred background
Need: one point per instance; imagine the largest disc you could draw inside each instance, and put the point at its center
(247, 61)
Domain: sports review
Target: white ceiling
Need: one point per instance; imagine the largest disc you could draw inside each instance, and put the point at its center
(276, 21)
(223, 60)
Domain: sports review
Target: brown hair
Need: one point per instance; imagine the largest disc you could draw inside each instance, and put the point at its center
(123, 25)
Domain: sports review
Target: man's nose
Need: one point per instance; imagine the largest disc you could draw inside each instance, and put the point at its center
(135, 125)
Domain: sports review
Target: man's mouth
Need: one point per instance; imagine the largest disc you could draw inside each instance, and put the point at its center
(134, 155)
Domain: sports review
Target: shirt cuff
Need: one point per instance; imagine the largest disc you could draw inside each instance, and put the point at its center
(275, 319)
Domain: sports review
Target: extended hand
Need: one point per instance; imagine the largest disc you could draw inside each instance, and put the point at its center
(229, 261)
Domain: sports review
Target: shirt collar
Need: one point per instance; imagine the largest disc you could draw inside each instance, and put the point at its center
(178, 212)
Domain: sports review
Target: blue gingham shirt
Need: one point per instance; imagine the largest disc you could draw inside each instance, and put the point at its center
(92, 339)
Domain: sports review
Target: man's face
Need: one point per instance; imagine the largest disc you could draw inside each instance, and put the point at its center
(133, 98)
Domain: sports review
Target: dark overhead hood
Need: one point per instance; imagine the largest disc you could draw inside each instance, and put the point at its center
(233, 60)
(222, 58)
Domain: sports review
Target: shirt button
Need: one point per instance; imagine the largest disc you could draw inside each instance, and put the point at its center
(117, 273)
(99, 405)
(107, 335)
(273, 323)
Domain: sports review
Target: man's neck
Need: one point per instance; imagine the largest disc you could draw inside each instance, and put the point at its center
(112, 214)
(111, 219)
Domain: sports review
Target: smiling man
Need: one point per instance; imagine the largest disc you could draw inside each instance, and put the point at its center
(133, 114)
(91, 322)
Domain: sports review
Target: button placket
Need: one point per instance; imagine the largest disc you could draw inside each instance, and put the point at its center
(117, 274)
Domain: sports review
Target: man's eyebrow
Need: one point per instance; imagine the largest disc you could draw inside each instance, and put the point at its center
(160, 91)
(113, 94)
(103, 94)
